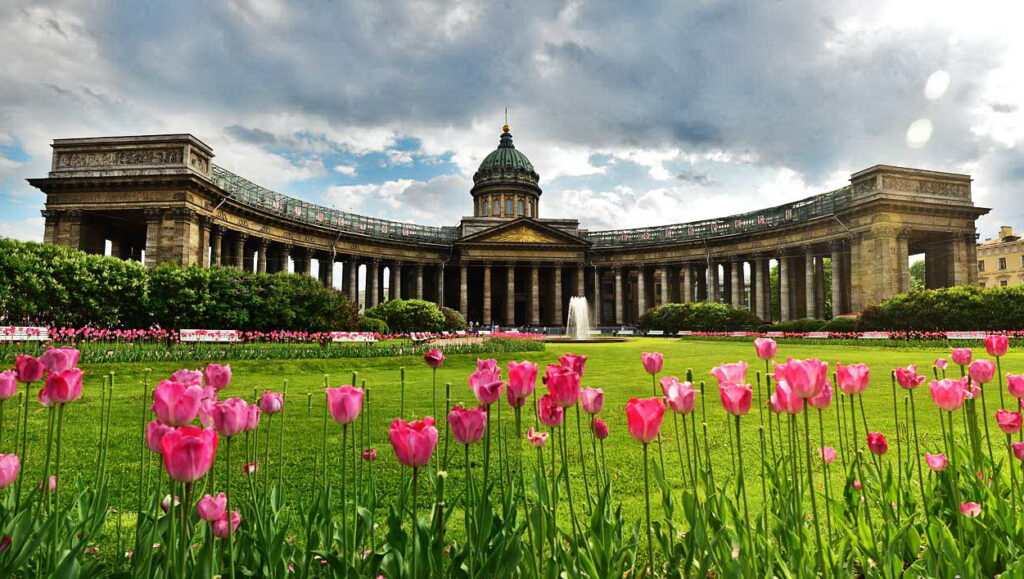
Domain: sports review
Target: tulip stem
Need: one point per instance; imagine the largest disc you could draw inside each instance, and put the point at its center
(999, 376)
(988, 437)
(487, 453)
(468, 508)
(647, 504)
(24, 435)
(447, 427)
(917, 451)
(415, 534)
(344, 493)
(810, 489)
(826, 467)
(583, 458)
(231, 534)
(899, 447)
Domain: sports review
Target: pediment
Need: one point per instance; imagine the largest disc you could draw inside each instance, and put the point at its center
(524, 231)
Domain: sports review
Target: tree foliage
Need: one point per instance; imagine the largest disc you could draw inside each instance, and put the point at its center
(409, 316)
(701, 317)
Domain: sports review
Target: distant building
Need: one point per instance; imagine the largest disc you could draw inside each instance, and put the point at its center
(1001, 260)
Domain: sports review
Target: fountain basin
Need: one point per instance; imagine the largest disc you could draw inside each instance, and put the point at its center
(595, 340)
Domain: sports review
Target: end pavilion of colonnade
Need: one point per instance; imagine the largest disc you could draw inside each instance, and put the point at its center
(160, 198)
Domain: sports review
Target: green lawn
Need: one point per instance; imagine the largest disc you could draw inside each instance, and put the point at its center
(614, 367)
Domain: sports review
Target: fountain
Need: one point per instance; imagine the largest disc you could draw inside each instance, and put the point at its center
(577, 326)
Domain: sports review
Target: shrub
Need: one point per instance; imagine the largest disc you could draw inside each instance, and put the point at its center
(801, 325)
(368, 324)
(409, 316)
(701, 317)
(453, 320)
(949, 309)
(841, 324)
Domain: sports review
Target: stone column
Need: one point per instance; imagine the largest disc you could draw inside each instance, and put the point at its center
(810, 293)
(206, 231)
(396, 280)
(971, 247)
(619, 320)
(464, 291)
(381, 298)
(903, 260)
(752, 285)
(510, 296)
(534, 295)
(487, 295)
(713, 282)
(558, 295)
(154, 217)
(217, 234)
(261, 257)
(686, 273)
(351, 274)
(758, 288)
(327, 270)
(418, 271)
(598, 304)
(304, 265)
(581, 286)
(284, 255)
(784, 300)
(837, 278)
(765, 283)
(736, 270)
(239, 251)
(52, 222)
(662, 274)
(440, 286)
(819, 286)
(856, 284)
(371, 283)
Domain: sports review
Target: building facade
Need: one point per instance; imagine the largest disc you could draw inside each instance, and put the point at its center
(160, 198)
(1001, 260)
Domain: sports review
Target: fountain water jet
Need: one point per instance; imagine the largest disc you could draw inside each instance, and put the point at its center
(577, 326)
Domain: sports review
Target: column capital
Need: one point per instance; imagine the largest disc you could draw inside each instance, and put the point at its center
(182, 214)
(903, 233)
(807, 248)
(206, 222)
(264, 243)
(397, 263)
(50, 213)
(837, 244)
(152, 214)
(242, 236)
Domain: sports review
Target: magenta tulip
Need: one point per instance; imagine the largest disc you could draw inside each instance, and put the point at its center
(1018, 450)
(489, 365)
(165, 504)
(592, 400)
(765, 348)
(221, 528)
(189, 452)
(252, 417)
(250, 467)
(961, 356)
(45, 400)
(344, 403)
(730, 373)
(783, 401)
(29, 369)
(8, 384)
(155, 432)
(9, 467)
(908, 378)
(827, 454)
(652, 362)
(877, 443)
(486, 385)
(935, 462)
(218, 376)
(822, 399)
(468, 424)
(210, 508)
(996, 346)
(982, 371)
(413, 442)
(60, 359)
(853, 379)
(736, 398)
(549, 412)
(679, 396)
(970, 509)
(643, 416)
(370, 454)
(176, 404)
(941, 363)
(537, 439)
(563, 384)
(600, 428)
(1015, 384)
(522, 379)
(806, 378)
(1008, 421)
(230, 416)
(513, 401)
(271, 402)
(434, 358)
(575, 363)
(187, 377)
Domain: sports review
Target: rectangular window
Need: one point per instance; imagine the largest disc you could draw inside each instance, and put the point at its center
(487, 210)
(497, 207)
(508, 207)
(981, 265)
(1002, 263)
(1002, 283)
(1022, 261)
(521, 208)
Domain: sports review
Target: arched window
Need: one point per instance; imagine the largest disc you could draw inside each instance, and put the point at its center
(497, 207)
(486, 208)
(522, 206)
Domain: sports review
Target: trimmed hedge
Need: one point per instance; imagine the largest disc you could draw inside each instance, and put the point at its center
(698, 317)
(949, 309)
(368, 324)
(404, 316)
(44, 284)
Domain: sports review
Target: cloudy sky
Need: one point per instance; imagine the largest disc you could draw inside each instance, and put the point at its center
(634, 114)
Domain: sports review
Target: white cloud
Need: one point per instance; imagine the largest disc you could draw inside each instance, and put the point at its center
(348, 170)
(30, 229)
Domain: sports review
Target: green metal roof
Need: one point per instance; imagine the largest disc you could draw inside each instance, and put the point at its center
(506, 157)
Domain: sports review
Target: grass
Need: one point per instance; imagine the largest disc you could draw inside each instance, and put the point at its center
(615, 368)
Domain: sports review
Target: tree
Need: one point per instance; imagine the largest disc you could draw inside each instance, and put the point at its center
(917, 275)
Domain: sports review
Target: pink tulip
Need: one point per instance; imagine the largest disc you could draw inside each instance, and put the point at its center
(522, 379)
(413, 442)
(1018, 450)
(970, 509)
(592, 400)
(8, 384)
(783, 401)
(370, 454)
(176, 404)
(765, 348)
(537, 439)
(29, 369)
(652, 362)
(736, 398)
(935, 462)
(961, 356)
(806, 378)
(827, 454)
(563, 384)
(165, 505)
(189, 452)
(434, 358)
(908, 378)
(856, 484)
(187, 377)
(550, 413)
(941, 363)
(271, 402)
(220, 526)
(230, 416)
(467, 424)
(9, 467)
(823, 399)
(218, 376)
(982, 371)
(643, 416)
(1015, 385)
(60, 359)
(1008, 421)
(64, 386)
(50, 486)
(211, 508)
(155, 432)
(600, 428)
(575, 363)
(250, 467)
(972, 391)
(252, 417)
(513, 401)
(44, 398)
(678, 395)
(877, 443)
(486, 385)
(996, 346)
(490, 365)
(344, 403)
(853, 379)
(730, 373)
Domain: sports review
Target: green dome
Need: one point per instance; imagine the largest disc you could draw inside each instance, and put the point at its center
(507, 160)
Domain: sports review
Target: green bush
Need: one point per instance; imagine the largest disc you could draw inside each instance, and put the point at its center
(801, 325)
(453, 320)
(699, 317)
(841, 324)
(409, 316)
(949, 309)
(368, 324)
